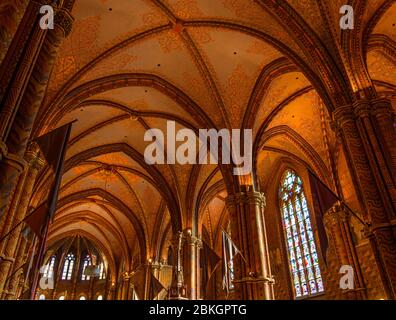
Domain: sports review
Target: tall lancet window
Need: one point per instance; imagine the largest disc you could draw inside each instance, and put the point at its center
(49, 268)
(300, 241)
(68, 267)
(102, 274)
(86, 263)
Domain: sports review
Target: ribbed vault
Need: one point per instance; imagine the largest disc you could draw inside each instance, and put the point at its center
(278, 68)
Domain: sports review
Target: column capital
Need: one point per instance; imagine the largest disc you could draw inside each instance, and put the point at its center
(189, 238)
(362, 108)
(342, 115)
(64, 20)
(249, 197)
(156, 266)
(15, 161)
(7, 259)
(33, 157)
(382, 107)
(63, 17)
(337, 213)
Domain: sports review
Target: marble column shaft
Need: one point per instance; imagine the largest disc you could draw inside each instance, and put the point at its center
(10, 243)
(15, 139)
(338, 231)
(369, 155)
(253, 279)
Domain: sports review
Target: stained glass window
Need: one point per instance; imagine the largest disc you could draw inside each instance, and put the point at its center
(86, 263)
(301, 246)
(49, 268)
(101, 271)
(68, 267)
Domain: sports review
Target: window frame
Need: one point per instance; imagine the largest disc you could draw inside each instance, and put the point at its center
(68, 275)
(283, 236)
(87, 261)
(49, 271)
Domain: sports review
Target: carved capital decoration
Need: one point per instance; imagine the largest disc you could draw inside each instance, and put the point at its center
(249, 197)
(335, 214)
(33, 157)
(362, 109)
(383, 108)
(15, 161)
(64, 20)
(341, 116)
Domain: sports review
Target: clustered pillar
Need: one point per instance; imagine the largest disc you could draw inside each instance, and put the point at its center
(253, 279)
(30, 70)
(25, 74)
(366, 130)
(337, 223)
(192, 245)
(9, 269)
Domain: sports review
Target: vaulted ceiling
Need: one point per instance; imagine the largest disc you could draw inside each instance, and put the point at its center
(129, 66)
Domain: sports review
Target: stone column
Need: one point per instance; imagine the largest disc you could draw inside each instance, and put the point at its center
(156, 270)
(191, 263)
(75, 276)
(198, 248)
(7, 220)
(382, 111)
(91, 293)
(125, 286)
(369, 163)
(17, 271)
(35, 165)
(23, 278)
(12, 12)
(21, 106)
(18, 67)
(11, 167)
(336, 221)
(253, 279)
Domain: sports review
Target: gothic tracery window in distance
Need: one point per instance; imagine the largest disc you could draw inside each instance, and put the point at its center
(49, 268)
(301, 247)
(101, 271)
(86, 263)
(68, 267)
